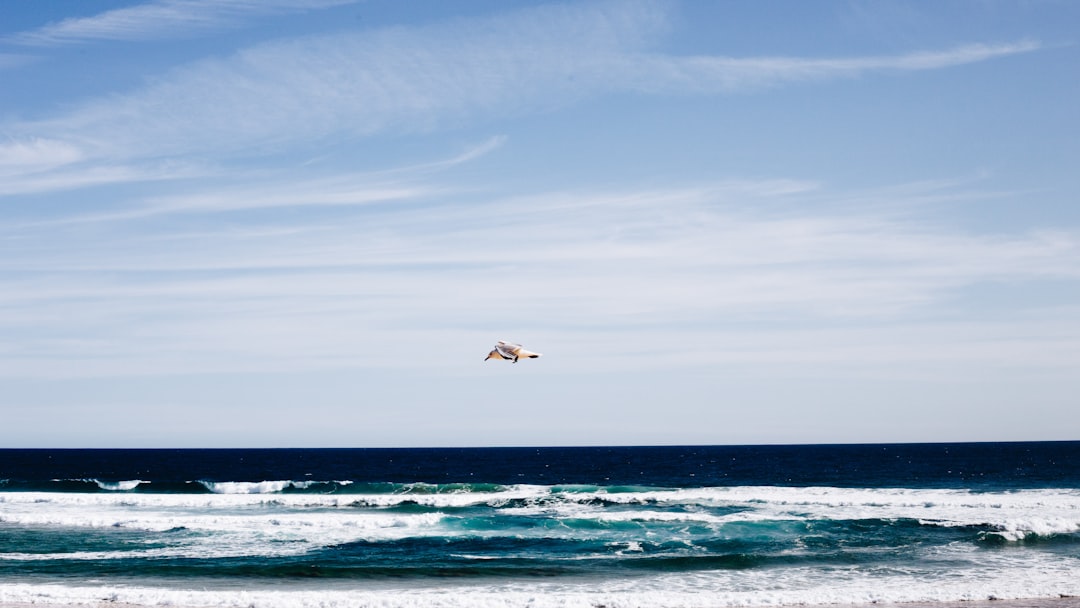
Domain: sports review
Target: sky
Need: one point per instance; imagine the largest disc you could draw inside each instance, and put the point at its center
(304, 223)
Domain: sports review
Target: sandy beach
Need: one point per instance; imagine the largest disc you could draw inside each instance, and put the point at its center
(1059, 602)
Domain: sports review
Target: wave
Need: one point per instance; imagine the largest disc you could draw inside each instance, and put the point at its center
(1016, 516)
(203, 486)
(492, 545)
(754, 498)
(119, 486)
(272, 487)
(730, 589)
(74, 485)
(345, 487)
(781, 496)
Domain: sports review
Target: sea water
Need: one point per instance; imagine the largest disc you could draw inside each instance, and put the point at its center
(614, 527)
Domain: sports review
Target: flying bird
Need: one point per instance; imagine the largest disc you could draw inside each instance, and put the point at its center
(506, 350)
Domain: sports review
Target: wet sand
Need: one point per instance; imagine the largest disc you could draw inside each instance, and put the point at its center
(1060, 602)
(1057, 602)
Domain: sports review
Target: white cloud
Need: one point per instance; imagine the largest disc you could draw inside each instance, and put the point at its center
(633, 271)
(222, 274)
(230, 191)
(733, 74)
(423, 78)
(37, 153)
(37, 180)
(163, 19)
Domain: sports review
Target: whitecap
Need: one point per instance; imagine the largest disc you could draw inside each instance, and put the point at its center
(119, 486)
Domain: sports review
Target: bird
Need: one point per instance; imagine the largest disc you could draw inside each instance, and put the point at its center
(507, 350)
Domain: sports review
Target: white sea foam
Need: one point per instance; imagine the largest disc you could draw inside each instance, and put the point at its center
(1013, 515)
(263, 487)
(233, 494)
(657, 516)
(119, 486)
(254, 519)
(256, 508)
(224, 520)
(217, 525)
(246, 487)
(1035, 578)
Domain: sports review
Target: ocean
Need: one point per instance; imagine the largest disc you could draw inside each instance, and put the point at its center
(612, 527)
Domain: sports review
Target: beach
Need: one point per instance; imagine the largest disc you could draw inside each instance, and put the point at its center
(1064, 602)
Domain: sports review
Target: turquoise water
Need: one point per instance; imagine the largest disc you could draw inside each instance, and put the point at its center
(695, 526)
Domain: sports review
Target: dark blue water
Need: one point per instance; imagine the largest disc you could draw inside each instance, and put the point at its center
(939, 465)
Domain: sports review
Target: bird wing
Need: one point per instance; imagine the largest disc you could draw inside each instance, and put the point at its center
(507, 349)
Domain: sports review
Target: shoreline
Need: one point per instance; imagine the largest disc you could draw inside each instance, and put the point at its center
(1044, 602)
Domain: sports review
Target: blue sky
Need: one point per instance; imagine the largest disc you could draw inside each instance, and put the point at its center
(305, 222)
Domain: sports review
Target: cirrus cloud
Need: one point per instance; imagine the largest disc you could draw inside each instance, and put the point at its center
(162, 19)
(419, 79)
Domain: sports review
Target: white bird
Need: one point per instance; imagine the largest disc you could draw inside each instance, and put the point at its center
(506, 350)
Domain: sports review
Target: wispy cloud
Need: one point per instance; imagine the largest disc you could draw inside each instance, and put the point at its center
(37, 153)
(733, 74)
(225, 272)
(636, 271)
(420, 79)
(203, 190)
(163, 19)
(38, 179)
